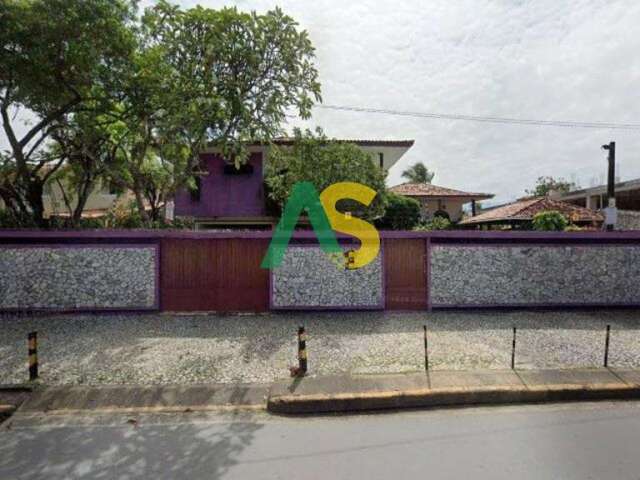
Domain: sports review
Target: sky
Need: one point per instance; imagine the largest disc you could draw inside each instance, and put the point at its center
(544, 59)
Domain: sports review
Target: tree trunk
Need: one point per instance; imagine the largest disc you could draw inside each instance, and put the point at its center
(84, 191)
(137, 191)
(34, 190)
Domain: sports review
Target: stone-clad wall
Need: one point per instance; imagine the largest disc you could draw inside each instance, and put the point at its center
(628, 220)
(308, 278)
(536, 275)
(74, 277)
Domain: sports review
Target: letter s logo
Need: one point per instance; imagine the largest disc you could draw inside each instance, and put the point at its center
(364, 231)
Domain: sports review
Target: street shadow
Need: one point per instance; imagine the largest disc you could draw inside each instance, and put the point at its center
(129, 450)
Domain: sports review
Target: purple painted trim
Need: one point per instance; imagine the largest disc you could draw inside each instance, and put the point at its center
(380, 306)
(435, 236)
(156, 301)
(535, 305)
(427, 255)
(533, 243)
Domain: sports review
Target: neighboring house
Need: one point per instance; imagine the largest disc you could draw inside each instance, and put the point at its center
(226, 196)
(627, 201)
(520, 214)
(439, 201)
(100, 200)
(627, 196)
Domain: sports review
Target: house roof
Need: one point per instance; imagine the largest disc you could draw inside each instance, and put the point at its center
(410, 189)
(602, 189)
(524, 210)
(359, 142)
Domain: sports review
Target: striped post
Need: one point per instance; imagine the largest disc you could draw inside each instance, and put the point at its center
(33, 355)
(606, 346)
(426, 349)
(513, 350)
(302, 351)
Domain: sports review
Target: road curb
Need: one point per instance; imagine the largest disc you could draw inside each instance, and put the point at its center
(352, 402)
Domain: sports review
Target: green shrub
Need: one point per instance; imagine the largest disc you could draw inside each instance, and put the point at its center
(437, 223)
(402, 213)
(550, 220)
(8, 219)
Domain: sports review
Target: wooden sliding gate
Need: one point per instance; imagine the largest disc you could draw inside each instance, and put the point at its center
(219, 275)
(405, 266)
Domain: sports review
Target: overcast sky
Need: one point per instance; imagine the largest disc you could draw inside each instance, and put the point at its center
(542, 59)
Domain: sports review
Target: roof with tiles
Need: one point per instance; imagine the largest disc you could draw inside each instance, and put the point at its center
(428, 190)
(524, 210)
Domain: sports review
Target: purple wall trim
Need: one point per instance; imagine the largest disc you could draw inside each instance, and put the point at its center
(436, 237)
(438, 306)
(380, 306)
(428, 270)
(156, 302)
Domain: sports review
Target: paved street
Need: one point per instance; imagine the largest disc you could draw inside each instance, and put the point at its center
(571, 441)
(158, 349)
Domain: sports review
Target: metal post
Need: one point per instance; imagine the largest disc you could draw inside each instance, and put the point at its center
(606, 346)
(513, 350)
(32, 341)
(426, 350)
(611, 179)
(302, 351)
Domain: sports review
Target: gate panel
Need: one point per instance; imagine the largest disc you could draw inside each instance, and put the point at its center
(405, 265)
(220, 275)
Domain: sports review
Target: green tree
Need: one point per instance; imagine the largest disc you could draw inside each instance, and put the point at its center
(549, 220)
(207, 77)
(547, 184)
(84, 142)
(315, 158)
(402, 213)
(54, 54)
(418, 173)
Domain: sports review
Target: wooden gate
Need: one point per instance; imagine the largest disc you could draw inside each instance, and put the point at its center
(405, 266)
(220, 275)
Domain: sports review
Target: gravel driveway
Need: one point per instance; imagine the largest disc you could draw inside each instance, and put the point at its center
(174, 349)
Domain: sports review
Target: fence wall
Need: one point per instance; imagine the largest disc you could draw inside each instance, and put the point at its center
(207, 271)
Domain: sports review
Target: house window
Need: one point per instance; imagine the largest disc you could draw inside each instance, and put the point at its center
(243, 169)
(381, 158)
(195, 192)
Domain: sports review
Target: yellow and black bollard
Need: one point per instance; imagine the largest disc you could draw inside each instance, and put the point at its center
(426, 349)
(33, 355)
(302, 351)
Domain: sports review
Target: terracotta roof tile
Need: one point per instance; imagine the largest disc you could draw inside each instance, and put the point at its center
(428, 190)
(526, 209)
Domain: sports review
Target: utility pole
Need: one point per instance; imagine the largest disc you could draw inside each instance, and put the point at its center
(610, 211)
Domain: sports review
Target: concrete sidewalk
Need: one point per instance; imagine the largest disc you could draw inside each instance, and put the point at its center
(448, 388)
(144, 399)
(343, 393)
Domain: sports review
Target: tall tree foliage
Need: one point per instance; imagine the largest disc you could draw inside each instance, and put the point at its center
(159, 91)
(317, 159)
(202, 77)
(418, 173)
(56, 55)
(546, 184)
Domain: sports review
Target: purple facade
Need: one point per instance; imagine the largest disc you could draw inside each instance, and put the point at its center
(225, 194)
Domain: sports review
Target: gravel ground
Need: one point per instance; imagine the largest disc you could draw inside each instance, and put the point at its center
(178, 349)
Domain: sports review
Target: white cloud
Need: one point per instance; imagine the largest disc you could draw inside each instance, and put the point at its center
(546, 59)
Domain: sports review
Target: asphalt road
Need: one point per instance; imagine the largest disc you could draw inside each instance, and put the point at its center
(581, 441)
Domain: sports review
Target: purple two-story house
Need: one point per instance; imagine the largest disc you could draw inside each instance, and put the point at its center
(227, 197)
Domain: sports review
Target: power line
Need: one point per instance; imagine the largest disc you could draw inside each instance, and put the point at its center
(487, 119)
